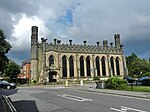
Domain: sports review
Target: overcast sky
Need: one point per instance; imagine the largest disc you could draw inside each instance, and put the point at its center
(91, 20)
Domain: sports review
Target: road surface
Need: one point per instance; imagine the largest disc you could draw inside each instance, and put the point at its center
(71, 99)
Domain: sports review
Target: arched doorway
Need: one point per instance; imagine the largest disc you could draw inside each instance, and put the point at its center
(52, 75)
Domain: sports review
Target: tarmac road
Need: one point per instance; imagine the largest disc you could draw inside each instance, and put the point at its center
(74, 99)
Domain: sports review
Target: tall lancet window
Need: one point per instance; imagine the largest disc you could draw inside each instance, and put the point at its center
(64, 66)
(103, 66)
(51, 60)
(88, 68)
(98, 66)
(81, 66)
(71, 66)
(112, 65)
(117, 66)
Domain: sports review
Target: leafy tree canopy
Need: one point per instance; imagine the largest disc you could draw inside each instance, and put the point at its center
(12, 70)
(4, 48)
(136, 66)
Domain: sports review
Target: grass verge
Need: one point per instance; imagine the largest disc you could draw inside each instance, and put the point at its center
(139, 88)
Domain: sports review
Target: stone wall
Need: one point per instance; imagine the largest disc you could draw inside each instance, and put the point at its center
(40, 67)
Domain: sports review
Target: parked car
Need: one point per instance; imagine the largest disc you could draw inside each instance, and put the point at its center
(129, 79)
(7, 85)
(143, 78)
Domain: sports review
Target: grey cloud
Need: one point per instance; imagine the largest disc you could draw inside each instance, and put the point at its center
(6, 24)
(19, 56)
(10, 9)
(19, 6)
(92, 20)
(137, 46)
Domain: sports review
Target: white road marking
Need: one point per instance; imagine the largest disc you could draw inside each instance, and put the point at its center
(116, 109)
(75, 98)
(125, 109)
(54, 87)
(59, 87)
(78, 97)
(137, 110)
(70, 98)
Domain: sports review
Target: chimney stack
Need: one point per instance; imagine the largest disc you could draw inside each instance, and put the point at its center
(55, 41)
(117, 40)
(84, 42)
(70, 42)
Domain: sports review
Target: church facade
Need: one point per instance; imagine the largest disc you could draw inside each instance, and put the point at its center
(57, 62)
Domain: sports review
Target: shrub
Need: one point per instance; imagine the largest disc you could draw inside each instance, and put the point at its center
(123, 87)
(96, 78)
(116, 83)
(34, 81)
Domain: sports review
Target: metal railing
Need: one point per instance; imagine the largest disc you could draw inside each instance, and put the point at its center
(10, 107)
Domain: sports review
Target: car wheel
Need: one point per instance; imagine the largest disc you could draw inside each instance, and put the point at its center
(8, 87)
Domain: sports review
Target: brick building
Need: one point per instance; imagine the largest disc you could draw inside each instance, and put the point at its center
(25, 70)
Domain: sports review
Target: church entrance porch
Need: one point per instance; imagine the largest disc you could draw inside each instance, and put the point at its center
(52, 76)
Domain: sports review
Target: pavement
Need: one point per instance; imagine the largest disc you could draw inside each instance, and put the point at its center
(92, 88)
(121, 93)
(1, 104)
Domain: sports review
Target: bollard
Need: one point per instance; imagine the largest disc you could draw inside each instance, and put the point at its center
(81, 82)
(66, 83)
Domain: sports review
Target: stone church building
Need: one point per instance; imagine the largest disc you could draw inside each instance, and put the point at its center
(57, 62)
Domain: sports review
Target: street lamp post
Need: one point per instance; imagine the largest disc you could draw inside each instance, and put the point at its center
(29, 78)
(0, 75)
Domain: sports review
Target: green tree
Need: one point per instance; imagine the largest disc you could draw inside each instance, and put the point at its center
(4, 48)
(136, 66)
(12, 70)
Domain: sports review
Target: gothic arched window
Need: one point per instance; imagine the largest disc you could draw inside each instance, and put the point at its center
(112, 65)
(71, 66)
(103, 66)
(51, 60)
(98, 66)
(88, 68)
(64, 66)
(81, 66)
(117, 66)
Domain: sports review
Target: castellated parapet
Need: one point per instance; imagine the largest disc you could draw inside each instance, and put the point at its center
(57, 61)
(76, 48)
